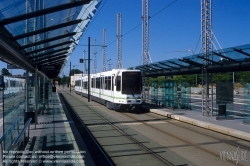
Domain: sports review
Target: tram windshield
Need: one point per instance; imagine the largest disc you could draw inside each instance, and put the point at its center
(131, 83)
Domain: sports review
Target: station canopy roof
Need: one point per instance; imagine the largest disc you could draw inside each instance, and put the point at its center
(224, 60)
(42, 33)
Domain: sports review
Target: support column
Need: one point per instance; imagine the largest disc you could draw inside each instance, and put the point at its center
(36, 96)
(70, 77)
(89, 69)
(27, 92)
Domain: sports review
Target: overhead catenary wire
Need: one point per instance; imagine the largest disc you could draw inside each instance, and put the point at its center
(140, 23)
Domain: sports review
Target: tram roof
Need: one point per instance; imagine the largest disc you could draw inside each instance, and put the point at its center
(224, 60)
(42, 33)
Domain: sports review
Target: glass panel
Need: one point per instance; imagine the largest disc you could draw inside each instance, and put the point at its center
(1, 105)
(118, 83)
(16, 8)
(14, 106)
(225, 99)
(31, 93)
(246, 110)
(131, 82)
(169, 95)
(154, 93)
(185, 95)
(180, 62)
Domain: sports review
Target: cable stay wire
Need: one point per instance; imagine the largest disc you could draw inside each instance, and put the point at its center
(141, 23)
(98, 11)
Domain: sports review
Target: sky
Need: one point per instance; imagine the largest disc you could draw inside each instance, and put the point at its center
(174, 28)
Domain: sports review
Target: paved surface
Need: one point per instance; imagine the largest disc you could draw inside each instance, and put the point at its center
(234, 128)
(55, 140)
(173, 140)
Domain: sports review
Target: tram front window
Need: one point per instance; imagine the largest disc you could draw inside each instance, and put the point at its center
(131, 83)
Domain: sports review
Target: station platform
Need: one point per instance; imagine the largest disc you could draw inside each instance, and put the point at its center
(232, 127)
(55, 139)
(56, 133)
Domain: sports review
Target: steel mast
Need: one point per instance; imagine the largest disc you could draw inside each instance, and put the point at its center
(84, 60)
(104, 51)
(145, 33)
(95, 58)
(119, 41)
(145, 47)
(206, 46)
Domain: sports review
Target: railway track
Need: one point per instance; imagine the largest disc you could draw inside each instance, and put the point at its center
(219, 138)
(122, 145)
(151, 139)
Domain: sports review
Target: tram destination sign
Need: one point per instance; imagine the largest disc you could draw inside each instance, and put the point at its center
(48, 68)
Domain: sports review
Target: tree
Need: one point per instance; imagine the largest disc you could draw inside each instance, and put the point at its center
(65, 80)
(75, 71)
(222, 77)
(5, 72)
(242, 77)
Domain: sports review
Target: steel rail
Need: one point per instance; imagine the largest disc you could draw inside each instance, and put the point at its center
(133, 139)
(188, 142)
(86, 129)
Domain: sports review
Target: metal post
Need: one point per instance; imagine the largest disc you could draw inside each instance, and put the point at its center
(43, 92)
(36, 84)
(233, 78)
(119, 41)
(23, 140)
(196, 79)
(95, 59)
(70, 78)
(1, 148)
(28, 133)
(27, 92)
(104, 51)
(212, 97)
(83, 61)
(88, 69)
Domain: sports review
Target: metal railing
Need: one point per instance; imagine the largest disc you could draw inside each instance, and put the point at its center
(18, 138)
(22, 133)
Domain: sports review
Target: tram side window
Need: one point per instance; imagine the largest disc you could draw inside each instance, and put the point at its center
(106, 83)
(85, 85)
(109, 83)
(101, 82)
(6, 85)
(112, 84)
(98, 83)
(12, 83)
(118, 83)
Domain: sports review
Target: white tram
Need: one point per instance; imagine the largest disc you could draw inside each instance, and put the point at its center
(12, 86)
(118, 89)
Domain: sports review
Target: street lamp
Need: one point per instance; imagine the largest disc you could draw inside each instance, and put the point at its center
(109, 64)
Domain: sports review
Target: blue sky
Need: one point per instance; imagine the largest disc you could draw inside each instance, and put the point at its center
(176, 28)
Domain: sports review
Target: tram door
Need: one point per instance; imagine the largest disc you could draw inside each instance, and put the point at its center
(102, 86)
(112, 88)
